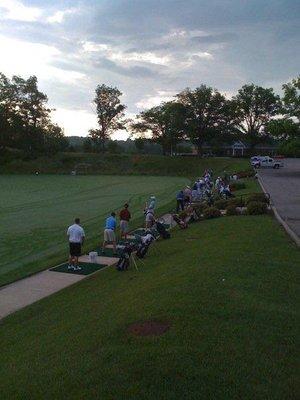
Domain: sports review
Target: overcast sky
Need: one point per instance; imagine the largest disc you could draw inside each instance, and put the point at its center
(149, 49)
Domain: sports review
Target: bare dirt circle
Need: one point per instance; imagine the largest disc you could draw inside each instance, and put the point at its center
(149, 328)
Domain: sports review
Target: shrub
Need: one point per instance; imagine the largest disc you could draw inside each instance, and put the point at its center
(290, 148)
(249, 173)
(236, 202)
(199, 208)
(221, 204)
(183, 215)
(237, 186)
(257, 197)
(256, 208)
(211, 212)
(231, 210)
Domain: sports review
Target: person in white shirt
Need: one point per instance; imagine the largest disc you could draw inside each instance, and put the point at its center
(76, 237)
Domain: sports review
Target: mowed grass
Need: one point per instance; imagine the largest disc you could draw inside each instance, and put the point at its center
(36, 210)
(228, 289)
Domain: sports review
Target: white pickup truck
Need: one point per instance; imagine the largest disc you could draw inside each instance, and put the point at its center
(266, 162)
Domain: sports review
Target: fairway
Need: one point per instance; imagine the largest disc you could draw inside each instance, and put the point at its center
(36, 210)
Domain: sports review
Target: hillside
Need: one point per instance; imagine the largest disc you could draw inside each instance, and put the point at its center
(91, 163)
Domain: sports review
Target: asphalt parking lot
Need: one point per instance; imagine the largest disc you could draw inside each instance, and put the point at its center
(283, 185)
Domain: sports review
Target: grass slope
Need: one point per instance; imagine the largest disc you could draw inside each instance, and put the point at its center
(122, 164)
(35, 211)
(228, 288)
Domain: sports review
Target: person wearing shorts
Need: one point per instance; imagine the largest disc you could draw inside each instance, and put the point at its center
(110, 232)
(76, 237)
(124, 221)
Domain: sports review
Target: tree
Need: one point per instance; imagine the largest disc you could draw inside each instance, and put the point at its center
(291, 98)
(109, 111)
(140, 144)
(255, 106)
(205, 113)
(25, 121)
(283, 129)
(166, 123)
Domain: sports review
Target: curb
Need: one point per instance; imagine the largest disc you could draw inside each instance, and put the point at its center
(286, 227)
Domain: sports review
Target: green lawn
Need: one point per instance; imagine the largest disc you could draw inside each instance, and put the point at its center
(228, 289)
(36, 210)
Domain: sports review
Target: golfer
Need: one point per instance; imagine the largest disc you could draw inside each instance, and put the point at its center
(124, 220)
(76, 237)
(110, 232)
(150, 219)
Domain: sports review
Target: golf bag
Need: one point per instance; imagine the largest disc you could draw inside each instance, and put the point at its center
(144, 245)
(142, 250)
(124, 260)
(162, 231)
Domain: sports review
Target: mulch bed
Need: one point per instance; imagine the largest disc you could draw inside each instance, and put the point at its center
(149, 328)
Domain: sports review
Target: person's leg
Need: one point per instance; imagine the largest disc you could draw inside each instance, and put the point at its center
(177, 206)
(114, 247)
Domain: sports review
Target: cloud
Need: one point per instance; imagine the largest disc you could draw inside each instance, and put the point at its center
(150, 49)
(59, 16)
(135, 71)
(16, 10)
(217, 38)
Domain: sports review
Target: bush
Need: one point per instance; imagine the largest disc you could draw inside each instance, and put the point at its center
(237, 186)
(257, 197)
(249, 173)
(236, 202)
(183, 215)
(290, 148)
(256, 208)
(211, 212)
(221, 204)
(231, 210)
(199, 208)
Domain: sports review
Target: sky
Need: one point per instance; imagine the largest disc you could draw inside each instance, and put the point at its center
(149, 49)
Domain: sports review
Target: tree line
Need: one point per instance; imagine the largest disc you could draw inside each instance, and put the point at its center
(200, 116)
(204, 115)
(25, 118)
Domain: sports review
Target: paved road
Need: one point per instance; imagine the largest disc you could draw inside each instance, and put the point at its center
(284, 188)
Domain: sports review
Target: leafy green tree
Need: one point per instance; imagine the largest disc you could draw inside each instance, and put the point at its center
(205, 111)
(290, 148)
(25, 121)
(291, 98)
(283, 129)
(166, 123)
(254, 107)
(140, 144)
(110, 114)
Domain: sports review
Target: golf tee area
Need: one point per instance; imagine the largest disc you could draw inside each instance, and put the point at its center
(211, 313)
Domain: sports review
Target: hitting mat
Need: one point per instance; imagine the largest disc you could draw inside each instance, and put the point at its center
(86, 268)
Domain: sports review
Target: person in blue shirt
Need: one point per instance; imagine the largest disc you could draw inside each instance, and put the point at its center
(180, 201)
(110, 232)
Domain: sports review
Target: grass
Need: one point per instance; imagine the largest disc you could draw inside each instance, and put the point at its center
(228, 288)
(125, 164)
(36, 210)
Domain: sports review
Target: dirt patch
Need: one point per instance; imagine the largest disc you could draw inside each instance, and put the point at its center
(149, 328)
